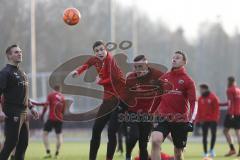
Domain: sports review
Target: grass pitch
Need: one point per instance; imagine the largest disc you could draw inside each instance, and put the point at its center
(80, 151)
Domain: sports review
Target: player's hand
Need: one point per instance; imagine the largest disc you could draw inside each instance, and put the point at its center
(41, 117)
(189, 127)
(98, 79)
(2, 116)
(34, 114)
(74, 74)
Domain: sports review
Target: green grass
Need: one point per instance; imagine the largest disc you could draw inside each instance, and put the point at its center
(80, 150)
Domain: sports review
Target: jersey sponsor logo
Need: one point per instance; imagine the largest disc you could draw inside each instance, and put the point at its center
(23, 83)
(180, 81)
(16, 75)
(209, 101)
(15, 119)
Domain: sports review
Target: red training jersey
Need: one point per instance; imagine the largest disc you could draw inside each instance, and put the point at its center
(179, 102)
(208, 108)
(108, 71)
(57, 105)
(143, 92)
(233, 94)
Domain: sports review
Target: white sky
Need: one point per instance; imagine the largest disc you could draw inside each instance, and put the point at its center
(190, 13)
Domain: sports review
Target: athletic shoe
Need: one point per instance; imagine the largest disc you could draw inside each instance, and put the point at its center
(212, 153)
(205, 155)
(47, 156)
(230, 153)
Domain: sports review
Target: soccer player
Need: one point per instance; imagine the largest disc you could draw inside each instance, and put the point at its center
(14, 88)
(208, 115)
(57, 106)
(144, 101)
(108, 71)
(232, 119)
(175, 112)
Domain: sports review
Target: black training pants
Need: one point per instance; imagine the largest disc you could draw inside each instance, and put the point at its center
(16, 135)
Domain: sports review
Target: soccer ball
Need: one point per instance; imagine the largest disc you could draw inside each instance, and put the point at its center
(71, 16)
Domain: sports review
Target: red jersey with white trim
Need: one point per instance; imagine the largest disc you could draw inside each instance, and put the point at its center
(208, 108)
(233, 94)
(108, 71)
(56, 102)
(147, 91)
(179, 102)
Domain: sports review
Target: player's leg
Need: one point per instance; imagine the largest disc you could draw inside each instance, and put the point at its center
(23, 141)
(157, 140)
(120, 140)
(12, 157)
(47, 128)
(131, 138)
(113, 127)
(229, 123)
(11, 131)
(98, 126)
(102, 118)
(179, 135)
(160, 132)
(178, 153)
(58, 143)
(145, 129)
(213, 127)
(205, 126)
(59, 136)
(237, 131)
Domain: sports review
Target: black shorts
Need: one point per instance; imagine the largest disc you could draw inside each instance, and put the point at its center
(57, 125)
(232, 122)
(177, 130)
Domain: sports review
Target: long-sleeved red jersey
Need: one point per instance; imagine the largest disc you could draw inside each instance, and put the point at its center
(178, 103)
(57, 105)
(233, 94)
(146, 97)
(108, 71)
(208, 108)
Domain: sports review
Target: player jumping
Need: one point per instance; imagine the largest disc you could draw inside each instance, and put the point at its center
(108, 71)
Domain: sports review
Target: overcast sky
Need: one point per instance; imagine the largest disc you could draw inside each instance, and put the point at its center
(191, 13)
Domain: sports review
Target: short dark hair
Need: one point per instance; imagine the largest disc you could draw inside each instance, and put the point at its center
(204, 86)
(57, 87)
(139, 58)
(98, 43)
(8, 50)
(183, 55)
(231, 80)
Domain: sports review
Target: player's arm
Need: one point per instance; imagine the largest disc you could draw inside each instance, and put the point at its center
(39, 104)
(3, 85)
(64, 105)
(34, 113)
(83, 68)
(191, 95)
(45, 108)
(216, 106)
(199, 112)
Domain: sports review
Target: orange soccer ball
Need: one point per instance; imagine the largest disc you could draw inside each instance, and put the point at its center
(71, 16)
